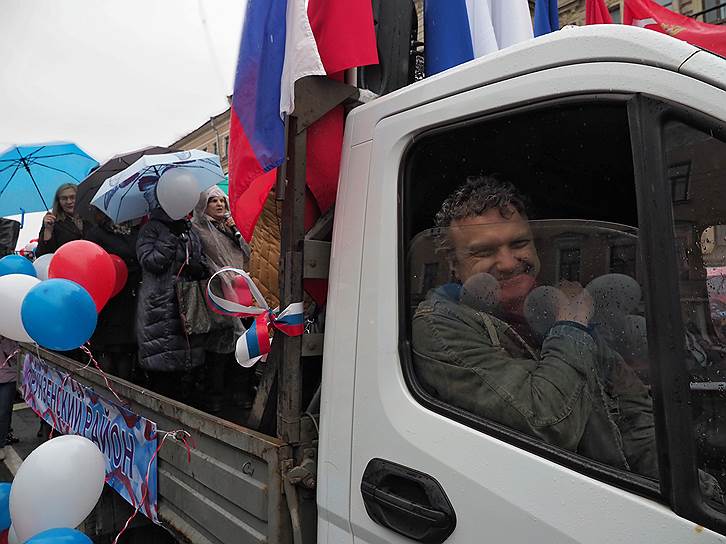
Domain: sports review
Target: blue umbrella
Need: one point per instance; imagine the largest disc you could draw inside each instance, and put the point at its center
(132, 192)
(30, 175)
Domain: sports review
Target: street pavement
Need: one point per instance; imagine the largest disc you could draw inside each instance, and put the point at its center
(25, 426)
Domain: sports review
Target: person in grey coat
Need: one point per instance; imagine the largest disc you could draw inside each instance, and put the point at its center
(168, 252)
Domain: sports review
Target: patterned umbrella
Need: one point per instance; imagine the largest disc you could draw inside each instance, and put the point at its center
(89, 186)
(132, 192)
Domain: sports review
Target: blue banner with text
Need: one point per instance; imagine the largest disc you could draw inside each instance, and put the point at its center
(127, 440)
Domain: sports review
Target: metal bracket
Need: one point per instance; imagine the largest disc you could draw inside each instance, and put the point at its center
(316, 263)
(317, 95)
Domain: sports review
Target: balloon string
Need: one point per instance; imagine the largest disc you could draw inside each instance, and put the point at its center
(184, 319)
(91, 360)
(62, 386)
(7, 359)
(179, 435)
(87, 351)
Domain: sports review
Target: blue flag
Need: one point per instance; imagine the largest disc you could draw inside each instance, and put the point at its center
(448, 38)
(546, 17)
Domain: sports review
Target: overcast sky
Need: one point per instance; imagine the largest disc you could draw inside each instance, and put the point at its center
(113, 76)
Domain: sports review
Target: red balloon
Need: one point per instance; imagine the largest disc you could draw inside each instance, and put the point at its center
(87, 264)
(122, 274)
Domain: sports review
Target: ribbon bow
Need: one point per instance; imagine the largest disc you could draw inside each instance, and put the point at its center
(254, 344)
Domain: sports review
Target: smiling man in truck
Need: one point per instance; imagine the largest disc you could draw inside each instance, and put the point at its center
(570, 389)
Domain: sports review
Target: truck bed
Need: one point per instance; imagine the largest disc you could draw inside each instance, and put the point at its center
(231, 491)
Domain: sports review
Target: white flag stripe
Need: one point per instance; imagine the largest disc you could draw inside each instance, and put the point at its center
(301, 53)
(496, 24)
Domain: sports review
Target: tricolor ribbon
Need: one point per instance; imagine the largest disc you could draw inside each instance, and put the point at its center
(245, 300)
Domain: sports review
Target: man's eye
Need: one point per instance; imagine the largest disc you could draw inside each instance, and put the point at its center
(519, 244)
(482, 253)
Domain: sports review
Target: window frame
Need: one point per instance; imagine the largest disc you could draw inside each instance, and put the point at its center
(670, 380)
(625, 480)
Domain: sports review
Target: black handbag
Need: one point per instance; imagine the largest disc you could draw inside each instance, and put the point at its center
(196, 316)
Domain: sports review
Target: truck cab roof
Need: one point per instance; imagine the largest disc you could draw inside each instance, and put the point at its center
(569, 46)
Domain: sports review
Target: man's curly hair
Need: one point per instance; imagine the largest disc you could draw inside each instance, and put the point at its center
(480, 194)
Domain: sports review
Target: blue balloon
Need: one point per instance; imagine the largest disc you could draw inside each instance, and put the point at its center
(4, 506)
(59, 314)
(60, 536)
(15, 264)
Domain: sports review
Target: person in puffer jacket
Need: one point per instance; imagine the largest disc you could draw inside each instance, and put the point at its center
(168, 251)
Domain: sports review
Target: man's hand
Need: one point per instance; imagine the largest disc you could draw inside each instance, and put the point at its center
(576, 305)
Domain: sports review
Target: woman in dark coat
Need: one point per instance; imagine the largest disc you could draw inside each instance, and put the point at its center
(62, 224)
(114, 339)
(168, 251)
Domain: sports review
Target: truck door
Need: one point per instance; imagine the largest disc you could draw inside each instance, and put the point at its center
(627, 198)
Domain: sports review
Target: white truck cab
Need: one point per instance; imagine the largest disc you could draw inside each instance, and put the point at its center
(618, 136)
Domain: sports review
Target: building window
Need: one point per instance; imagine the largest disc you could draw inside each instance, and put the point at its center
(616, 16)
(215, 148)
(570, 264)
(226, 146)
(666, 3)
(622, 260)
(715, 11)
(679, 174)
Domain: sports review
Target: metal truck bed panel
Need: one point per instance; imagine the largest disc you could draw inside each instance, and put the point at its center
(231, 491)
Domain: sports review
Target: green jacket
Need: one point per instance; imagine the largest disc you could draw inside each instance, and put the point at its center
(575, 392)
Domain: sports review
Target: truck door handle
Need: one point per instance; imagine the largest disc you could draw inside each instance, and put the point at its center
(407, 501)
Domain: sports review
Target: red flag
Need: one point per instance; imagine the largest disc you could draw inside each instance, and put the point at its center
(649, 14)
(597, 13)
(346, 38)
(248, 205)
(344, 32)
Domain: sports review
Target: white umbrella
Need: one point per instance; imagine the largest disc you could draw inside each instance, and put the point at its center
(132, 192)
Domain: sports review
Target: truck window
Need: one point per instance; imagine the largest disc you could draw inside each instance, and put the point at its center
(696, 168)
(523, 293)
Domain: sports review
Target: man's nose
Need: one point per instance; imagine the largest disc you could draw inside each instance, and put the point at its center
(506, 260)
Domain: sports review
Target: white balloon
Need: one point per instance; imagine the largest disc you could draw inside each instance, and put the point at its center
(57, 485)
(41, 265)
(12, 537)
(481, 292)
(13, 288)
(177, 192)
(540, 308)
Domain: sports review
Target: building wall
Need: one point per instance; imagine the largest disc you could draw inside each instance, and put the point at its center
(212, 137)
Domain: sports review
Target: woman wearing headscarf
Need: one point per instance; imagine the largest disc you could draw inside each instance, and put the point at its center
(223, 247)
(62, 224)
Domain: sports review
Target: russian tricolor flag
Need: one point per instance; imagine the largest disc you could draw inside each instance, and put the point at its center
(283, 41)
(458, 31)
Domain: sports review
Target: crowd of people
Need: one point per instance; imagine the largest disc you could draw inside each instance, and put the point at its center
(145, 334)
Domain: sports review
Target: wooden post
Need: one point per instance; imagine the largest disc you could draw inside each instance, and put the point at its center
(289, 397)
(314, 97)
